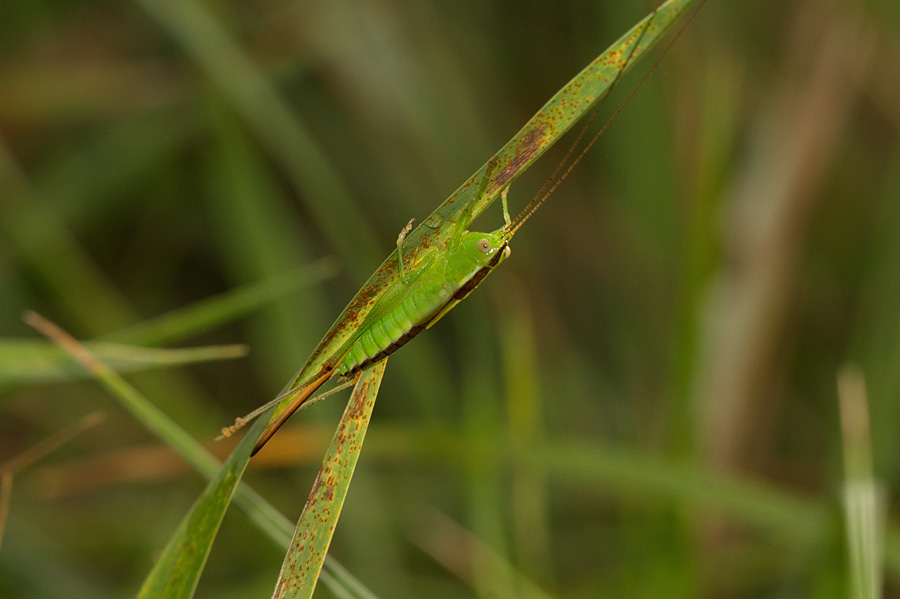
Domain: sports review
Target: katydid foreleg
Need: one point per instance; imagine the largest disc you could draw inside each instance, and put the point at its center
(400, 239)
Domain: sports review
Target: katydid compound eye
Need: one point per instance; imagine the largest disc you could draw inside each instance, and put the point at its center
(484, 246)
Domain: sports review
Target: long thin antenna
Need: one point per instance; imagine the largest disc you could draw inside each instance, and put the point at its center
(543, 193)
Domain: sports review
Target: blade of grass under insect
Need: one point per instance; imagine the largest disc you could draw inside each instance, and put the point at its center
(177, 571)
(29, 361)
(556, 117)
(300, 570)
(212, 312)
(178, 568)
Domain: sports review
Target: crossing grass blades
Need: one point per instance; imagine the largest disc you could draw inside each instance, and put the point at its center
(435, 266)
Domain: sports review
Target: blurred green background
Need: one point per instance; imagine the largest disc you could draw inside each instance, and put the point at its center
(641, 403)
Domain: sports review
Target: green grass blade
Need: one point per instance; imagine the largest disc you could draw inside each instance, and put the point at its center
(317, 524)
(177, 571)
(178, 568)
(864, 505)
(29, 361)
(212, 312)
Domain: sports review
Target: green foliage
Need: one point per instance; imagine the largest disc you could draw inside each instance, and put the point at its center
(641, 402)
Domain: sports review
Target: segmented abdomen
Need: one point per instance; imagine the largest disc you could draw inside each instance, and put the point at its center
(394, 328)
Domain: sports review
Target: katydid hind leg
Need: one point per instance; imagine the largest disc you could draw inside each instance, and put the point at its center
(297, 401)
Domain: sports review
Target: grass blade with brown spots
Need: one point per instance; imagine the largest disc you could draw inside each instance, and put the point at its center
(300, 570)
(178, 569)
(576, 99)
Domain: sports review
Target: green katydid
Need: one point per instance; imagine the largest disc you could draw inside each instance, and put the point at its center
(423, 297)
(407, 296)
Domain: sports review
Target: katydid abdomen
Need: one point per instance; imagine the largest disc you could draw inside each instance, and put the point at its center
(396, 327)
(439, 286)
(434, 288)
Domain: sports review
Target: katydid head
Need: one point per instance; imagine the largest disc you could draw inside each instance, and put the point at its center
(484, 248)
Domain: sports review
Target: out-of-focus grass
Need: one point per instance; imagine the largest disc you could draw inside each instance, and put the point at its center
(675, 316)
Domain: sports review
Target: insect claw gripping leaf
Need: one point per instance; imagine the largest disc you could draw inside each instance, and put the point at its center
(506, 220)
(467, 213)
